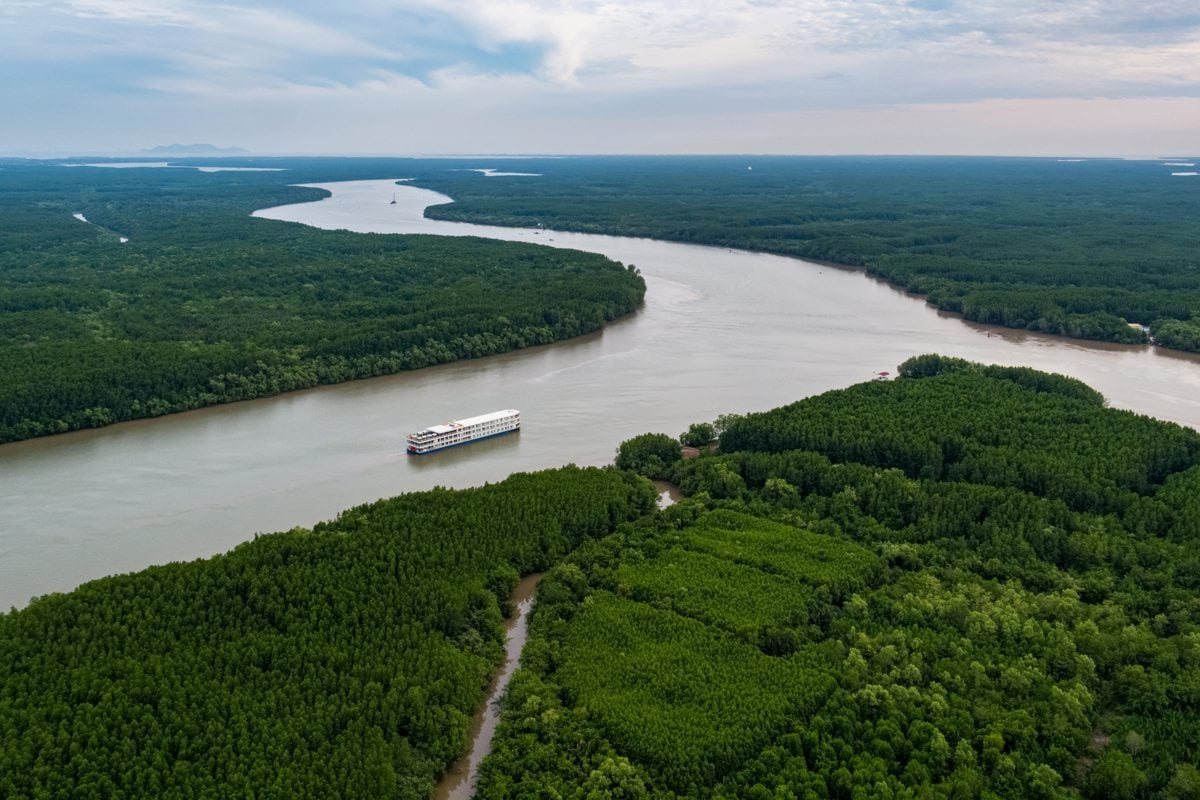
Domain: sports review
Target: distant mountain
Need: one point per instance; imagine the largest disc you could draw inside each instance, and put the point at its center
(194, 150)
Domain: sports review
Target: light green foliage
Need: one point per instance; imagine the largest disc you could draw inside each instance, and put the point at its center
(1185, 784)
(715, 590)
(818, 559)
(676, 693)
(339, 662)
(614, 779)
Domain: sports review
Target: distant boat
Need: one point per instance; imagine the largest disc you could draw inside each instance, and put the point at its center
(393, 199)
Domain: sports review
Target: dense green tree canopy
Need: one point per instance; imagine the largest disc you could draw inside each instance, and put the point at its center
(650, 454)
(698, 434)
(1080, 249)
(206, 305)
(342, 661)
(968, 582)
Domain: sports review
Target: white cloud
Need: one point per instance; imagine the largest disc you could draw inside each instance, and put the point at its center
(586, 43)
(593, 59)
(140, 11)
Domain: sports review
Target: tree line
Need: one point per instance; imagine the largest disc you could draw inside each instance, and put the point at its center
(205, 305)
(341, 661)
(1077, 249)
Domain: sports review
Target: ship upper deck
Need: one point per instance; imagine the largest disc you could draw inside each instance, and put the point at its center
(468, 422)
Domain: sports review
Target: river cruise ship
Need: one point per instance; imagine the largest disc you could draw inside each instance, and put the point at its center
(464, 431)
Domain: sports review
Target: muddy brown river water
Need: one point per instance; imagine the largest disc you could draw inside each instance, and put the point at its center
(722, 331)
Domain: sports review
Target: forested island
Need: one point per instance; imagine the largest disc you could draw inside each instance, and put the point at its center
(1100, 249)
(130, 293)
(970, 581)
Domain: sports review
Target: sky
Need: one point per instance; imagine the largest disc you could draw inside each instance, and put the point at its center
(400, 77)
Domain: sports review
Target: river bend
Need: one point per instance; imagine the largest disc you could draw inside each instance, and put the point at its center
(722, 331)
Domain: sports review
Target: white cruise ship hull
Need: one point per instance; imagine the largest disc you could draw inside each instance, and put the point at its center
(463, 431)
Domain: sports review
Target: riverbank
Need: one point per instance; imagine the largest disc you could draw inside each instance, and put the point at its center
(442, 212)
(1080, 250)
(207, 306)
(952, 310)
(719, 330)
(341, 660)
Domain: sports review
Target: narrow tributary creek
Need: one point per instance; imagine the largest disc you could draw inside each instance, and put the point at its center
(459, 782)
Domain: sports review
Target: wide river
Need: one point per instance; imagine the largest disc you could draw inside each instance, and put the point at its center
(721, 331)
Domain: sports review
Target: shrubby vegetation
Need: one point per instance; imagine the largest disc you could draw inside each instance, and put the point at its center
(968, 582)
(1180, 334)
(650, 454)
(1075, 249)
(342, 661)
(206, 305)
(698, 434)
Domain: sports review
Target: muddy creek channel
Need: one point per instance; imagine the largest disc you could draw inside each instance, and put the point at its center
(459, 781)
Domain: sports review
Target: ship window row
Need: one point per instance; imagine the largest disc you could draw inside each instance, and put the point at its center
(489, 427)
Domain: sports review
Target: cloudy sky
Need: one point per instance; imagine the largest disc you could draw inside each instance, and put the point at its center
(1044, 77)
